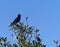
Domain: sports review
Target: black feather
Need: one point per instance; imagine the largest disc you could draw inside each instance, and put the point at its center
(17, 19)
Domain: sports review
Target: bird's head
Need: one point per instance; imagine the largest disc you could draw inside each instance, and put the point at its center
(19, 15)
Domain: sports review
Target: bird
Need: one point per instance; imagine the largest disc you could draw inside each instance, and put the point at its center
(16, 20)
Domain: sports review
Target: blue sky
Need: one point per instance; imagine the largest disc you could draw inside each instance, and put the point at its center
(43, 14)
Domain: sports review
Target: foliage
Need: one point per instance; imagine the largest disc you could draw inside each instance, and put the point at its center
(57, 43)
(26, 36)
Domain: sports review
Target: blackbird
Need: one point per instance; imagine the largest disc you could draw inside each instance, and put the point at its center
(16, 20)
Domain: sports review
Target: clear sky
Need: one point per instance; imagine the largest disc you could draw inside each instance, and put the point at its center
(43, 14)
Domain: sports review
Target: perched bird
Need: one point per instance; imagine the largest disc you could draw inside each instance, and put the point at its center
(17, 19)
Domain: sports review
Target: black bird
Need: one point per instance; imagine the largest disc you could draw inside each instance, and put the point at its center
(17, 19)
